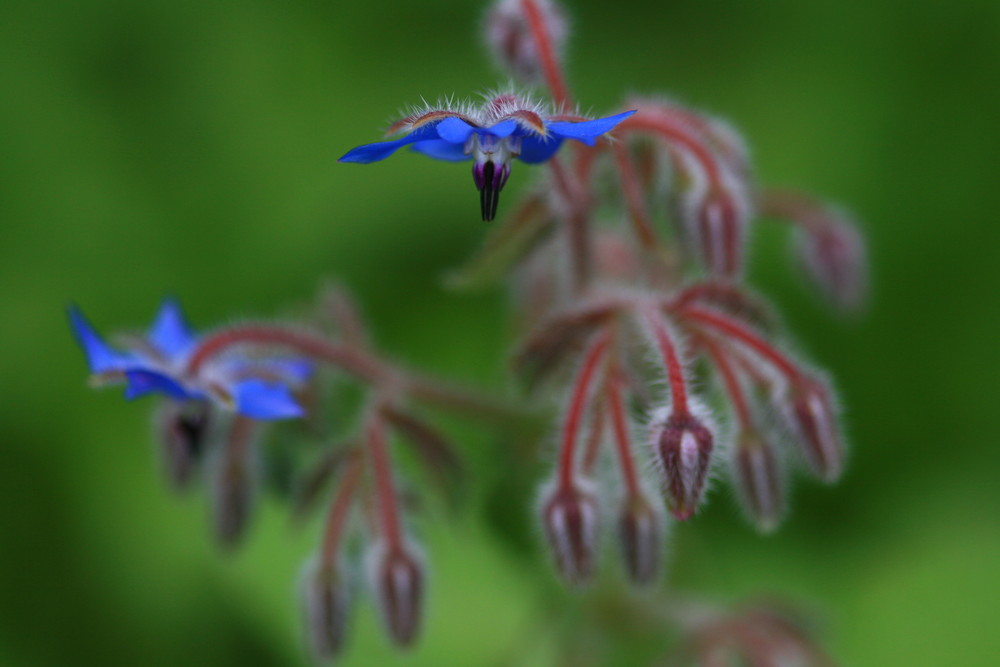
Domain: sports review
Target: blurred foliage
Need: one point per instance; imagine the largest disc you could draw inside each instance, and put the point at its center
(189, 148)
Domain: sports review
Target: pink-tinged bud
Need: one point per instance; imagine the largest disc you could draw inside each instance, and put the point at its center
(398, 583)
(683, 446)
(759, 481)
(569, 518)
(183, 433)
(832, 253)
(511, 43)
(812, 412)
(326, 602)
(640, 529)
(721, 233)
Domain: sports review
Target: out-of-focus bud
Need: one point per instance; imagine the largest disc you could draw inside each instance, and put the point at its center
(640, 529)
(183, 431)
(398, 583)
(569, 519)
(683, 446)
(759, 481)
(234, 486)
(721, 233)
(812, 412)
(832, 253)
(510, 41)
(326, 599)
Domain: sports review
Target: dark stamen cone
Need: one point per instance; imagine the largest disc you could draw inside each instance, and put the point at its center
(183, 431)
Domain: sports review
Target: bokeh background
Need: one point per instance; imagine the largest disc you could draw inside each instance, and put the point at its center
(188, 147)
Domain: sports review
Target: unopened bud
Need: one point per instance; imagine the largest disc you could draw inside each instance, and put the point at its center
(569, 518)
(640, 529)
(183, 432)
(326, 602)
(510, 40)
(759, 481)
(233, 497)
(812, 412)
(398, 582)
(683, 446)
(721, 233)
(832, 253)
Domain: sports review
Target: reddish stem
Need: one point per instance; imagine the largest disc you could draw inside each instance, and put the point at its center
(620, 428)
(594, 438)
(675, 372)
(677, 134)
(339, 508)
(578, 400)
(633, 198)
(577, 226)
(732, 383)
(794, 207)
(743, 334)
(378, 452)
(546, 54)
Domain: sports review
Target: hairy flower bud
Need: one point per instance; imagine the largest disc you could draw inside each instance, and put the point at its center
(398, 583)
(832, 253)
(569, 519)
(183, 431)
(508, 35)
(640, 530)
(683, 446)
(234, 486)
(759, 481)
(326, 602)
(812, 413)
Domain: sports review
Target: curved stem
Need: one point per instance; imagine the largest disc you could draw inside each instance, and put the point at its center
(581, 390)
(378, 452)
(731, 382)
(675, 371)
(339, 508)
(741, 333)
(678, 134)
(633, 198)
(620, 428)
(546, 54)
(577, 225)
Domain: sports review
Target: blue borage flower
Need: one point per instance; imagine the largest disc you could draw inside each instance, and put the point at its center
(505, 128)
(155, 363)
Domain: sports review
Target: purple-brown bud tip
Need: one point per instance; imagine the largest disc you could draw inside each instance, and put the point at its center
(183, 432)
(759, 481)
(683, 446)
(813, 414)
(326, 606)
(398, 582)
(640, 530)
(510, 41)
(569, 519)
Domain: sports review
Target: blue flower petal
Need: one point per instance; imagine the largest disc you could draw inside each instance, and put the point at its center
(380, 150)
(170, 333)
(143, 382)
(504, 128)
(535, 149)
(263, 400)
(454, 130)
(439, 149)
(100, 357)
(587, 131)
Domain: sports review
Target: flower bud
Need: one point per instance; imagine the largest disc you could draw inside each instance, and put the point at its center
(721, 233)
(759, 481)
(508, 35)
(640, 530)
(326, 602)
(812, 413)
(398, 582)
(832, 253)
(569, 519)
(683, 446)
(233, 496)
(183, 432)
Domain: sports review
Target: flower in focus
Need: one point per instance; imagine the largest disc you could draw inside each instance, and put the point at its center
(505, 128)
(155, 363)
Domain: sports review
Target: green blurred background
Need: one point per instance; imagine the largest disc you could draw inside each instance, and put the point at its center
(189, 147)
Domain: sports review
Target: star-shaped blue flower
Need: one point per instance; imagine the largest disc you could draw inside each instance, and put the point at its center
(154, 363)
(504, 129)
